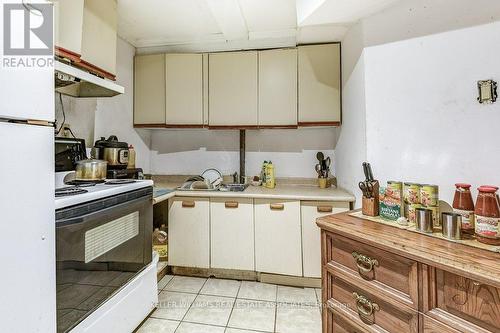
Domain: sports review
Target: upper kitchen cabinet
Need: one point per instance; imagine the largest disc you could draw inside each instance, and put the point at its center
(233, 89)
(99, 36)
(68, 26)
(278, 88)
(184, 90)
(319, 87)
(85, 33)
(149, 90)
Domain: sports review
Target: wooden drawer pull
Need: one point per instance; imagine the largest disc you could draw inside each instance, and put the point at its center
(366, 308)
(188, 204)
(231, 204)
(365, 263)
(277, 206)
(324, 209)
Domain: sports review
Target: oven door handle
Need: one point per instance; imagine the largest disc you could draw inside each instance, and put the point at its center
(85, 217)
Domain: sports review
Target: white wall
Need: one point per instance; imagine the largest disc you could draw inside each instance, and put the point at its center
(399, 73)
(423, 121)
(115, 115)
(293, 152)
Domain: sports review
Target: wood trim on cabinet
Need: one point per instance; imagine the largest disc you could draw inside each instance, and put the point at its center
(149, 125)
(232, 127)
(319, 123)
(95, 70)
(278, 126)
(65, 53)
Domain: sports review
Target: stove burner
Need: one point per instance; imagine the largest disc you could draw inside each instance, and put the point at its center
(120, 182)
(84, 183)
(67, 191)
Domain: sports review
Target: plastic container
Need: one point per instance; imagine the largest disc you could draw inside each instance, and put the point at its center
(270, 178)
(131, 157)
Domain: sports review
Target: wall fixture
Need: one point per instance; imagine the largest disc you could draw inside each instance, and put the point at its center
(487, 91)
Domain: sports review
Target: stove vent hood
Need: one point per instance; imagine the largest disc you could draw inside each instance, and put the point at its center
(75, 82)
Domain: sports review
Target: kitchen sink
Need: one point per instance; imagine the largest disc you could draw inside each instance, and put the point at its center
(234, 187)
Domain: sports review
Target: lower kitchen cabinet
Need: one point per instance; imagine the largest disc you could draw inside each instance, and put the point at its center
(311, 233)
(278, 247)
(232, 233)
(189, 232)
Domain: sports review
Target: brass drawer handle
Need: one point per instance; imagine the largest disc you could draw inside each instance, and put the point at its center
(324, 209)
(365, 263)
(231, 204)
(366, 308)
(188, 204)
(277, 206)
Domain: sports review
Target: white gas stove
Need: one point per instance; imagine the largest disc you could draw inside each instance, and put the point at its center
(103, 247)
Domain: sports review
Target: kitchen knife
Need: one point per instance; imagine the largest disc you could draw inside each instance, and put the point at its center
(370, 173)
(365, 170)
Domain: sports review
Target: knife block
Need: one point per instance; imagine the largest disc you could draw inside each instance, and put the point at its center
(370, 206)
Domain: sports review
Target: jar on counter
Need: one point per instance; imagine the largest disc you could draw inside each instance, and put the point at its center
(463, 205)
(488, 215)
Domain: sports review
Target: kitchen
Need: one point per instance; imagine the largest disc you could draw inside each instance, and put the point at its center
(228, 128)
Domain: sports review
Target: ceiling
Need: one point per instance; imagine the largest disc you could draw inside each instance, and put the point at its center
(218, 25)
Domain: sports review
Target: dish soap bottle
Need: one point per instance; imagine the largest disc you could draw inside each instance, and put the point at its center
(270, 179)
(263, 173)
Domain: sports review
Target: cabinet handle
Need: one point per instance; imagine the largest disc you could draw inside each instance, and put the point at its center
(365, 263)
(231, 204)
(188, 204)
(325, 209)
(366, 308)
(277, 206)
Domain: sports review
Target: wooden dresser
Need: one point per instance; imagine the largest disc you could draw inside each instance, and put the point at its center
(378, 278)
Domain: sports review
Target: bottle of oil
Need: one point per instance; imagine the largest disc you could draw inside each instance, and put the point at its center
(270, 178)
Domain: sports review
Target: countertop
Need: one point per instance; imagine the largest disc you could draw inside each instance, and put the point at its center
(474, 263)
(284, 191)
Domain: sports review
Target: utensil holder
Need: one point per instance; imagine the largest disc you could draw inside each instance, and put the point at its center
(370, 206)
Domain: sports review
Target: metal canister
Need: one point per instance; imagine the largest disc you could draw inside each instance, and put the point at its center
(424, 220)
(429, 195)
(452, 225)
(436, 218)
(411, 193)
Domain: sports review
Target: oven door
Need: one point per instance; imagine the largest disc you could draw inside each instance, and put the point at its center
(100, 246)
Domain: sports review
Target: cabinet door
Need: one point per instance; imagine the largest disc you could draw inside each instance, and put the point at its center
(184, 89)
(189, 232)
(311, 233)
(232, 236)
(277, 237)
(278, 87)
(99, 34)
(319, 84)
(149, 89)
(233, 89)
(68, 23)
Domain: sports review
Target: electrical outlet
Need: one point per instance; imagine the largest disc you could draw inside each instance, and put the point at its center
(66, 127)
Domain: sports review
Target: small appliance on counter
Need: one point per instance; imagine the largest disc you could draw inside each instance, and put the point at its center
(136, 173)
(115, 152)
(68, 152)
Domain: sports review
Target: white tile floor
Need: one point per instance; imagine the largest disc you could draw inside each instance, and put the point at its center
(199, 305)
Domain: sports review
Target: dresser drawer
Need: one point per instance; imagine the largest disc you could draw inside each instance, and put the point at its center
(465, 303)
(429, 325)
(338, 323)
(370, 312)
(396, 274)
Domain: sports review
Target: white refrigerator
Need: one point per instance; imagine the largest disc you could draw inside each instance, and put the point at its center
(27, 215)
